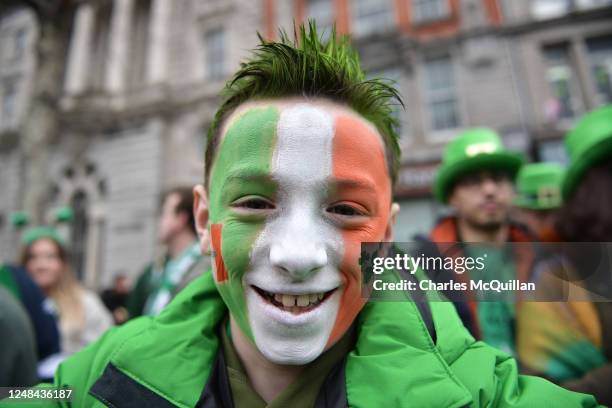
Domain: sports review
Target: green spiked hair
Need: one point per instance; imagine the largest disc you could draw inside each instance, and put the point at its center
(310, 67)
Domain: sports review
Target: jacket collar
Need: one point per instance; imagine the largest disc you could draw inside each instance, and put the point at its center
(446, 231)
(176, 355)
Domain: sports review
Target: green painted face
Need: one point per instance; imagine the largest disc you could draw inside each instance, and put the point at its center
(241, 170)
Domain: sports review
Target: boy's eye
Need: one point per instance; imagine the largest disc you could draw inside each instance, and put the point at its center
(345, 210)
(254, 203)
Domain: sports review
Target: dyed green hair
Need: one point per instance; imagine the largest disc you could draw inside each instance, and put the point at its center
(311, 67)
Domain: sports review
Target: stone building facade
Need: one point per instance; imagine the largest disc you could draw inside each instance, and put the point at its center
(141, 86)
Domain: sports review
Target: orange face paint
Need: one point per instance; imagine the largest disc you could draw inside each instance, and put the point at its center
(359, 158)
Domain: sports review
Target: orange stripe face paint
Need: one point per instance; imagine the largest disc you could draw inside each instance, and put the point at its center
(360, 168)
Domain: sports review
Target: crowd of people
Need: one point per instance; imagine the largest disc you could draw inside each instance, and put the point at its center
(285, 144)
(62, 316)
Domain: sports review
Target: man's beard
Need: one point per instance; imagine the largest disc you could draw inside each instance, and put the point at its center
(488, 226)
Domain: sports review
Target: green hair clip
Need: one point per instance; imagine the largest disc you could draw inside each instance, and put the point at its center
(64, 215)
(20, 219)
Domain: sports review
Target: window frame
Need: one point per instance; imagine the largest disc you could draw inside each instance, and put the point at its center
(443, 12)
(215, 67)
(366, 24)
(431, 96)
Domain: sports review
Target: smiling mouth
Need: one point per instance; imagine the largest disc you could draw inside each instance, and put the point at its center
(295, 304)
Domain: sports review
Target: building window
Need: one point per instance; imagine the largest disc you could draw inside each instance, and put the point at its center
(545, 9)
(214, 41)
(9, 95)
(600, 57)
(19, 44)
(372, 16)
(590, 4)
(322, 12)
(100, 48)
(562, 81)
(80, 229)
(429, 10)
(441, 93)
(139, 43)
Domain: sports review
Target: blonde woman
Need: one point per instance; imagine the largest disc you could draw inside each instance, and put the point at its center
(82, 316)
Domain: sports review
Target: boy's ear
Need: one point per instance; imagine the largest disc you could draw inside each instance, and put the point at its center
(200, 212)
(395, 207)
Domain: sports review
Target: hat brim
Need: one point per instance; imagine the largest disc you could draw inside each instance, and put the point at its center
(523, 202)
(594, 155)
(448, 175)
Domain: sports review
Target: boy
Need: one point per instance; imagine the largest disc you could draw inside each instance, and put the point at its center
(300, 165)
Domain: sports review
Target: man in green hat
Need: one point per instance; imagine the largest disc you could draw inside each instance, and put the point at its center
(571, 342)
(538, 188)
(476, 179)
(301, 161)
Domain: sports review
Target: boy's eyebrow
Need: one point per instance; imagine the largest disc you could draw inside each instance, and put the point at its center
(354, 183)
(246, 175)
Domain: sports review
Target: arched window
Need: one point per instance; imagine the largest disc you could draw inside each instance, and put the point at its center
(78, 236)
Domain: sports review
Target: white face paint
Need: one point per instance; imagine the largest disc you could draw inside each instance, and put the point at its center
(299, 250)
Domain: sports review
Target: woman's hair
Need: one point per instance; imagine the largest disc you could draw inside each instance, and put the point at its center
(66, 293)
(586, 215)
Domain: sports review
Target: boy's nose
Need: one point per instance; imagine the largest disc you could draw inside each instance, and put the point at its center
(299, 261)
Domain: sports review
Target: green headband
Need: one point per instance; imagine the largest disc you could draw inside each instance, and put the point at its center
(34, 234)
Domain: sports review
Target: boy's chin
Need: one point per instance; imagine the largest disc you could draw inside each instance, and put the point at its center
(291, 355)
(289, 339)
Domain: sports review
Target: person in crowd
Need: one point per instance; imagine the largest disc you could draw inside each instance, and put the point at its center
(39, 309)
(476, 180)
(115, 298)
(570, 341)
(539, 197)
(181, 261)
(17, 347)
(82, 316)
(300, 166)
(40, 312)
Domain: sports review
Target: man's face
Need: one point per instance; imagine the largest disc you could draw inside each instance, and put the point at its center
(170, 222)
(483, 199)
(296, 186)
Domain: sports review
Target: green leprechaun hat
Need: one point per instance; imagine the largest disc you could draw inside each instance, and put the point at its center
(473, 150)
(588, 144)
(538, 186)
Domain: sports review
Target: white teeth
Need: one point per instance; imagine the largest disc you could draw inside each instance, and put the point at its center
(289, 301)
(303, 300)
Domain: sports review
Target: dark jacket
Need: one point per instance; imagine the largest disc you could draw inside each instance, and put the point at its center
(37, 306)
(17, 352)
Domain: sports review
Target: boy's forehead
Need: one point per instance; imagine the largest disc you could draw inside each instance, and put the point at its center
(331, 108)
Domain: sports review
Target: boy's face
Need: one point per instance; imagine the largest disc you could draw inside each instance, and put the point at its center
(295, 187)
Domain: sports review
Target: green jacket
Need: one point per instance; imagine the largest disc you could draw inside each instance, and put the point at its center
(173, 360)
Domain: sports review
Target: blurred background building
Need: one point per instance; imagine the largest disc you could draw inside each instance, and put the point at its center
(127, 89)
